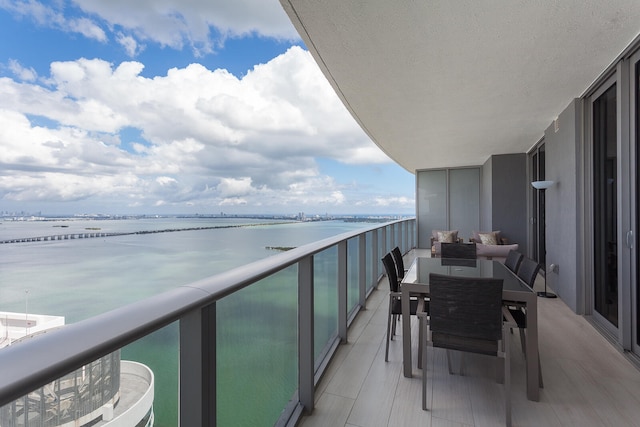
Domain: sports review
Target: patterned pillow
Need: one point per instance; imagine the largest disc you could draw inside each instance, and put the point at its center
(447, 236)
(488, 238)
(476, 236)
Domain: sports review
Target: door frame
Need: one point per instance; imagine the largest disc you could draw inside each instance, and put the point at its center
(631, 339)
(608, 327)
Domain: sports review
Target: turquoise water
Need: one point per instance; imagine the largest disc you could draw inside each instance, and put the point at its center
(84, 277)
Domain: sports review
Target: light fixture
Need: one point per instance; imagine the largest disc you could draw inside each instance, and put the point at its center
(541, 186)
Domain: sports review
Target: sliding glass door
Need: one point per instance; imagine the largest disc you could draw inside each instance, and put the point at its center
(447, 199)
(605, 204)
(538, 241)
(635, 202)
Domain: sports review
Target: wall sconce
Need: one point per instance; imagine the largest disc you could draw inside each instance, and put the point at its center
(542, 185)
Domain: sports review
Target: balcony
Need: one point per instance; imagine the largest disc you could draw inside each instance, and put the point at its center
(587, 381)
(262, 333)
(328, 345)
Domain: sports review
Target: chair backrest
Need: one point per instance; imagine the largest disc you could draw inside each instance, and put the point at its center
(390, 268)
(514, 258)
(528, 271)
(397, 257)
(465, 311)
(458, 250)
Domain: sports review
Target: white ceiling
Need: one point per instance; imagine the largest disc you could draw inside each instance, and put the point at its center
(450, 82)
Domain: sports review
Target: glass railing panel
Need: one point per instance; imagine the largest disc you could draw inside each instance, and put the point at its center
(411, 234)
(325, 299)
(369, 260)
(160, 352)
(353, 286)
(382, 249)
(257, 351)
(389, 245)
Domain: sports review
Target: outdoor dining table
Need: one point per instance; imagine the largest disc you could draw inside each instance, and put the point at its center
(514, 290)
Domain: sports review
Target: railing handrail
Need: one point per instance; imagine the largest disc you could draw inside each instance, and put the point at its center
(25, 367)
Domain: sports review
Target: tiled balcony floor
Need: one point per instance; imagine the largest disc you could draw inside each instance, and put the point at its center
(587, 382)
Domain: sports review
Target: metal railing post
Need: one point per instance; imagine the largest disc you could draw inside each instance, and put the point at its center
(375, 258)
(385, 248)
(306, 380)
(197, 403)
(362, 269)
(342, 290)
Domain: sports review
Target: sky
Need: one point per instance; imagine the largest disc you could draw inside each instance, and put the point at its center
(177, 107)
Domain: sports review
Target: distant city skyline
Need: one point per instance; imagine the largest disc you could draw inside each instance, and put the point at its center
(202, 107)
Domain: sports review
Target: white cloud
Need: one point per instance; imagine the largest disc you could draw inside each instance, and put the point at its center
(52, 16)
(211, 139)
(394, 201)
(175, 23)
(87, 28)
(22, 73)
(130, 44)
(234, 187)
(203, 25)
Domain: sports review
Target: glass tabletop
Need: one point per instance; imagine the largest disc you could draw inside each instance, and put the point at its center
(423, 266)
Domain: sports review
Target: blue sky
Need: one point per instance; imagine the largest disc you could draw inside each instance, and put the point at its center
(191, 106)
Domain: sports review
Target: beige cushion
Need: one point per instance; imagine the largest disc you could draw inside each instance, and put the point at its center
(451, 236)
(494, 250)
(488, 238)
(446, 236)
(476, 235)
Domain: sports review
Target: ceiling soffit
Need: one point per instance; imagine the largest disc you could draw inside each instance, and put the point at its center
(445, 84)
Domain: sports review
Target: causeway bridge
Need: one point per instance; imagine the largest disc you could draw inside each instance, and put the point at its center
(65, 236)
(92, 234)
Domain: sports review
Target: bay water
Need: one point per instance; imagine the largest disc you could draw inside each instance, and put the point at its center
(80, 278)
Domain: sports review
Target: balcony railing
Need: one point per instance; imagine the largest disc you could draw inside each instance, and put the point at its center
(256, 337)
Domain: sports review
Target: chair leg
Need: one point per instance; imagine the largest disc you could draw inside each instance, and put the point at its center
(449, 361)
(523, 342)
(540, 383)
(507, 380)
(389, 320)
(393, 326)
(420, 349)
(424, 366)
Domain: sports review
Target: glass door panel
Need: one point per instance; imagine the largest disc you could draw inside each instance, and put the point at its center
(605, 202)
(635, 142)
(534, 208)
(464, 201)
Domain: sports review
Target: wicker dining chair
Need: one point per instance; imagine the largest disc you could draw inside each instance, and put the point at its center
(395, 304)
(527, 272)
(513, 260)
(458, 250)
(466, 314)
(397, 257)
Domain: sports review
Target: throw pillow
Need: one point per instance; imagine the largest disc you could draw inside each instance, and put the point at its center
(488, 238)
(434, 234)
(447, 236)
(476, 236)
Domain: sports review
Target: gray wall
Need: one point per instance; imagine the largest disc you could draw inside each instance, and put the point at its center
(486, 196)
(562, 205)
(509, 186)
(504, 197)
